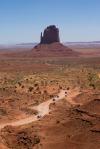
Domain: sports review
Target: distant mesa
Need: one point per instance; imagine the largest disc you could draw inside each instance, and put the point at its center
(50, 45)
(50, 35)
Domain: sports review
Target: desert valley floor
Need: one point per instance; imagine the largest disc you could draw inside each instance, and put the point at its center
(50, 102)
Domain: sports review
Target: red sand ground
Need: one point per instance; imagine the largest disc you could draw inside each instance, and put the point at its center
(73, 123)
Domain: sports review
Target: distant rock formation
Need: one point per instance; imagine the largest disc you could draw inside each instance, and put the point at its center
(50, 35)
(50, 45)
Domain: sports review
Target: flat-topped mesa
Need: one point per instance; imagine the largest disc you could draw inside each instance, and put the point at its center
(50, 35)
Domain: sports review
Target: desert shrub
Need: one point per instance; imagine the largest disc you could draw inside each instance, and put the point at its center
(22, 86)
(92, 78)
(60, 87)
(3, 88)
(15, 91)
(92, 85)
(45, 92)
(36, 139)
(57, 121)
(30, 89)
(68, 88)
(36, 84)
(24, 140)
(51, 96)
(19, 83)
(39, 92)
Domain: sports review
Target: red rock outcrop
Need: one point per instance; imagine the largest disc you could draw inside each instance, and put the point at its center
(50, 35)
(50, 45)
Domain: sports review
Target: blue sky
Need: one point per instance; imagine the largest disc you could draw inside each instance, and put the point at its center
(23, 20)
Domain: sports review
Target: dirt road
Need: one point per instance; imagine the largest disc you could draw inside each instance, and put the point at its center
(43, 108)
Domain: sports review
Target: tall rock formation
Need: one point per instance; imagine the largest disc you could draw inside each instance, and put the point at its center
(50, 45)
(50, 35)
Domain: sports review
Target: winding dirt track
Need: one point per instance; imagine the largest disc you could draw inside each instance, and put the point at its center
(43, 108)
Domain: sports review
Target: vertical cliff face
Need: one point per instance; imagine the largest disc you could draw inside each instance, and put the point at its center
(50, 35)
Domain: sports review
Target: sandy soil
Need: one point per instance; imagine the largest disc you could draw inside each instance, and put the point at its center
(69, 120)
(74, 127)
